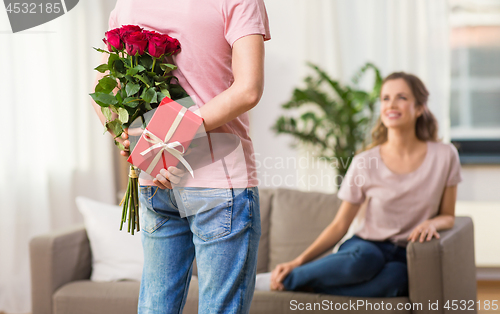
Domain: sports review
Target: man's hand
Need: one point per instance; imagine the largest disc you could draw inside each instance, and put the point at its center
(125, 142)
(424, 232)
(166, 178)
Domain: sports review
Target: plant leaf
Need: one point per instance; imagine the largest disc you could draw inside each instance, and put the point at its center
(101, 50)
(107, 84)
(131, 102)
(143, 79)
(102, 68)
(167, 67)
(132, 88)
(123, 115)
(115, 126)
(107, 113)
(160, 96)
(104, 99)
(148, 95)
(119, 145)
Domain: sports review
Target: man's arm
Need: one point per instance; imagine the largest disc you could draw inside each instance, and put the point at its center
(241, 96)
(247, 88)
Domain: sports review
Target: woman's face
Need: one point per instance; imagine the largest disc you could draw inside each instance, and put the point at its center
(397, 105)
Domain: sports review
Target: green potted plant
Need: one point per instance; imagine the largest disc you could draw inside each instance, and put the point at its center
(334, 118)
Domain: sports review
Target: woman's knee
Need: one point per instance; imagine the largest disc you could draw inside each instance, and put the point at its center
(366, 260)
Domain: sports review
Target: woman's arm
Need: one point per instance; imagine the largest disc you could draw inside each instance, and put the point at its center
(444, 220)
(332, 234)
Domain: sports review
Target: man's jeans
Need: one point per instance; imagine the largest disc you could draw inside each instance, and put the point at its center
(224, 238)
(360, 268)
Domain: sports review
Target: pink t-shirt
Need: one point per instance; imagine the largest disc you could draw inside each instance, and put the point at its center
(399, 202)
(206, 31)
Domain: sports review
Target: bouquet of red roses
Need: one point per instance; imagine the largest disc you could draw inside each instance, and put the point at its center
(137, 78)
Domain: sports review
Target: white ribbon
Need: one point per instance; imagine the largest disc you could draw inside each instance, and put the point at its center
(165, 145)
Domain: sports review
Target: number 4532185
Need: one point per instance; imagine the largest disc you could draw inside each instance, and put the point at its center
(33, 8)
(469, 305)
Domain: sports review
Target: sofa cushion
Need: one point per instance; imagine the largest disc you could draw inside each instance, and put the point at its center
(265, 197)
(297, 219)
(265, 302)
(84, 297)
(116, 255)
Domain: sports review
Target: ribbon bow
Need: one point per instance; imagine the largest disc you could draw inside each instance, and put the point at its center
(165, 145)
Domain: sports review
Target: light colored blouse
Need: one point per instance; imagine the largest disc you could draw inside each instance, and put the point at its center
(397, 203)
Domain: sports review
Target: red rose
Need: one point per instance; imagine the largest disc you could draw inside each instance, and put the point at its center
(135, 43)
(173, 45)
(157, 44)
(113, 39)
(149, 34)
(128, 29)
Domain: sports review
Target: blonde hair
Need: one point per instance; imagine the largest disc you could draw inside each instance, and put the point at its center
(426, 127)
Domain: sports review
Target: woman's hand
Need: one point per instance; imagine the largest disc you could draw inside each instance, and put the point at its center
(279, 274)
(424, 232)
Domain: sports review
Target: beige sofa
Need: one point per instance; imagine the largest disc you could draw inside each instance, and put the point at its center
(438, 270)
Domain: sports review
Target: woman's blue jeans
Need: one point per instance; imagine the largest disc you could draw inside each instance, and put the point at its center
(360, 268)
(224, 237)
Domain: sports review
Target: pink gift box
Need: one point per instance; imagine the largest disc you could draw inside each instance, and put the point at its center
(166, 137)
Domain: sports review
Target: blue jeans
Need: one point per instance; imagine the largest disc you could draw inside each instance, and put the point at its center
(360, 268)
(224, 240)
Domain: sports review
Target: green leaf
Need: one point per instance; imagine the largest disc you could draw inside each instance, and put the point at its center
(160, 96)
(148, 95)
(104, 99)
(107, 84)
(137, 69)
(131, 102)
(111, 60)
(167, 67)
(119, 98)
(123, 115)
(143, 79)
(132, 88)
(115, 126)
(102, 68)
(101, 50)
(113, 109)
(107, 113)
(119, 68)
(146, 61)
(119, 145)
(165, 92)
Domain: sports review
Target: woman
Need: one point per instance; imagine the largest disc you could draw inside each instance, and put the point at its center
(409, 180)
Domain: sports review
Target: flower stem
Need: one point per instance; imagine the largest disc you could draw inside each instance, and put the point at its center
(154, 63)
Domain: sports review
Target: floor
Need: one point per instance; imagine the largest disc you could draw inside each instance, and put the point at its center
(487, 293)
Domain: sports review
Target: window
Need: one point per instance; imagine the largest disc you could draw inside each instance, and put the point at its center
(475, 79)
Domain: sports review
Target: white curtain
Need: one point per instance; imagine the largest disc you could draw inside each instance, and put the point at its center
(340, 36)
(52, 146)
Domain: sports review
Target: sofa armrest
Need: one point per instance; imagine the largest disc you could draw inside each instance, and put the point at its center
(444, 269)
(56, 259)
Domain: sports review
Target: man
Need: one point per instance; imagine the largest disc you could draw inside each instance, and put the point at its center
(221, 65)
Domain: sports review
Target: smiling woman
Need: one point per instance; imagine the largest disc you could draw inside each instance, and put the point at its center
(409, 198)
(407, 90)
